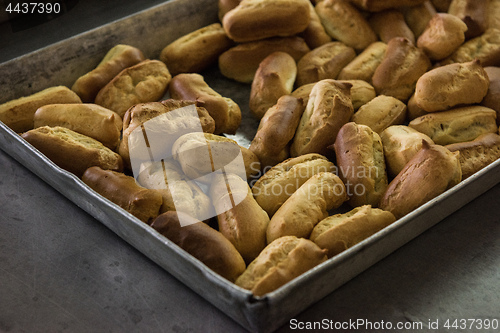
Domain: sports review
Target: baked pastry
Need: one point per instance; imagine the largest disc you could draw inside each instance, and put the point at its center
(492, 98)
(89, 119)
(276, 130)
(457, 125)
(445, 87)
(307, 206)
(315, 34)
(360, 159)
(364, 65)
(432, 171)
(494, 14)
(400, 144)
(379, 5)
(240, 218)
(202, 242)
(124, 191)
(224, 6)
(145, 82)
(18, 113)
(417, 17)
(280, 262)
(116, 59)
(345, 23)
(225, 112)
(474, 13)
(197, 50)
(339, 232)
(329, 107)
(241, 61)
(259, 19)
(380, 113)
(72, 151)
(413, 110)
(281, 181)
(401, 67)
(477, 154)
(442, 36)
(274, 78)
(390, 23)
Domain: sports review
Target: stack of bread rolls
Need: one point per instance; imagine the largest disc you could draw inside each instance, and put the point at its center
(367, 109)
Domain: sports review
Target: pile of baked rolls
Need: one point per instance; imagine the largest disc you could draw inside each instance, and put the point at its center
(368, 109)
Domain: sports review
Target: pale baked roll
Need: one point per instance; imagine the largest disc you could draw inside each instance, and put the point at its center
(324, 62)
(276, 130)
(400, 144)
(379, 5)
(307, 206)
(445, 87)
(339, 232)
(477, 154)
(492, 98)
(474, 13)
(417, 17)
(390, 23)
(328, 109)
(72, 151)
(116, 59)
(197, 50)
(401, 67)
(361, 92)
(202, 242)
(380, 113)
(241, 61)
(124, 191)
(432, 171)
(240, 218)
(145, 82)
(281, 181)
(225, 112)
(442, 36)
(361, 164)
(274, 78)
(18, 114)
(279, 263)
(315, 34)
(344, 22)
(88, 119)
(259, 19)
(364, 65)
(457, 125)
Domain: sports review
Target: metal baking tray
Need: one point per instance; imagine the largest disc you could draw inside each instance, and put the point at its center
(62, 63)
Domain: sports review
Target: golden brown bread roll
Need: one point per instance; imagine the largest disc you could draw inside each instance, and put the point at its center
(224, 6)
(339, 232)
(241, 220)
(456, 125)
(116, 59)
(432, 171)
(417, 17)
(400, 144)
(360, 159)
(474, 13)
(72, 151)
(492, 98)
(329, 107)
(280, 262)
(18, 113)
(401, 67)
(413, 110)
(364, 65)
(196, 51)
(281, 181)
(344, 22)
(225, 112)
(145, 82)
(324, 62)
(241, 61)
(307, 206)
(315, 34)
(379, 5)
(88, 119)
(445, 87)
(276, 130)
(274, 78)
(477, 154)
(203, 242)
(259, 19)
(124, 191)
(442, 36)
(380, 113)
(390, 23)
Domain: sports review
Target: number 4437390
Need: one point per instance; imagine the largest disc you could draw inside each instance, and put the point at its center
(33, 8)
(476, 324)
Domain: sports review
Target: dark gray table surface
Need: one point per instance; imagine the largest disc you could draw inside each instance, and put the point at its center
(63, 271)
